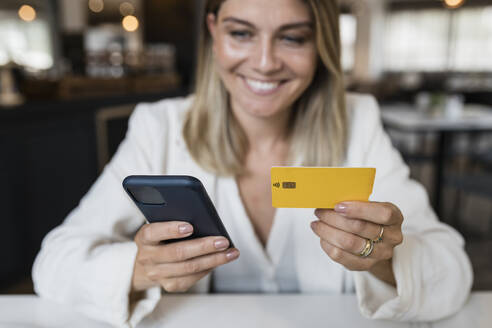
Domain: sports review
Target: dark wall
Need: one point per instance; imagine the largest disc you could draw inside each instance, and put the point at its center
(48, 161)
(46, 167)
(173, 21)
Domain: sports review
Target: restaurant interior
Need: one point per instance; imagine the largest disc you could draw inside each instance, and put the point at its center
(72, 71)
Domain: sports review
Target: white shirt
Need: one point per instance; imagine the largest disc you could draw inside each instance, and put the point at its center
(88, 260)
(261, 270)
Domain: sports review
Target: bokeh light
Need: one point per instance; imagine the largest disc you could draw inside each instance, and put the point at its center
(96, 5)
(27, 13)
(130, 23)
(126, 9)
(454, 3)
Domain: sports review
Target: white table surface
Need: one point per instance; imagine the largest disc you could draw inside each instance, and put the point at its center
(238, 311)
(406, 117)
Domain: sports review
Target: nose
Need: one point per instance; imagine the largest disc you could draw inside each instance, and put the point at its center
(266, 61)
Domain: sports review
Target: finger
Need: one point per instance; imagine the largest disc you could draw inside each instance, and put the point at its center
(185, 250)
(351, 243)
(348, 260)
(182, 284)
(358, 227)
(379, 213)
(199, 264)
(344, 240)
(154, 233)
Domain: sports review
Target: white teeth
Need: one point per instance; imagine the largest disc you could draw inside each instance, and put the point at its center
(262, 86)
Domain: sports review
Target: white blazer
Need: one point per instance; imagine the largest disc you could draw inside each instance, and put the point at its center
(88, 261)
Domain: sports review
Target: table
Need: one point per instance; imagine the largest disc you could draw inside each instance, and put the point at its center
(405, 118)
(238, 311)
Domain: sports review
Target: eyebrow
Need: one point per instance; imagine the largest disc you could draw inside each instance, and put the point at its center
(283, 27)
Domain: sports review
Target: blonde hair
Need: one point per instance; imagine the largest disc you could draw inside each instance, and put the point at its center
(318, 121)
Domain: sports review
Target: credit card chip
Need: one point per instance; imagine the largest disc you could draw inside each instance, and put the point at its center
(288, 185)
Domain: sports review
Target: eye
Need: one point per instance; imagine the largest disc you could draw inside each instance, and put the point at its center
(241, 34)
(293, 40)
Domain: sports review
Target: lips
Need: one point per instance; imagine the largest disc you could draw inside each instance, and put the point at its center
(262, 87)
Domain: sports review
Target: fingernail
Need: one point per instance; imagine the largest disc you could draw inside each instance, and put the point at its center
(221, 243)
(341, 208)
(185, 228)
(232, 254)
(313, 225)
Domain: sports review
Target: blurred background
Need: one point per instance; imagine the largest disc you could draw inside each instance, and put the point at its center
(71, 72)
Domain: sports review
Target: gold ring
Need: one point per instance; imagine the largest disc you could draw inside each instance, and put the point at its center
(380, 237)
(367, 249)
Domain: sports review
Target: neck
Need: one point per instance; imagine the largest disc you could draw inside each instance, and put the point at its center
(266, 135)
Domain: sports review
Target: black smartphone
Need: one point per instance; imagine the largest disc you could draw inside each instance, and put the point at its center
(176, 198)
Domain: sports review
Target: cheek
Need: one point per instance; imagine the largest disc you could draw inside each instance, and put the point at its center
(228, 55)
(304, 65)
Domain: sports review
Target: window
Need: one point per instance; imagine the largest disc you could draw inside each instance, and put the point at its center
(25, 43)
(416, 40)
(471, 46)
(439, 40)
(348, 34)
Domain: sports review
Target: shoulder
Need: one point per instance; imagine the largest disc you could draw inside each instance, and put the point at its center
(362, 112)
(364, 127)
(361, 105)
(167, 111)
(160, 119)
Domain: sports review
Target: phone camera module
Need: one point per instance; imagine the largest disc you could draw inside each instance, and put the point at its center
(147, 195)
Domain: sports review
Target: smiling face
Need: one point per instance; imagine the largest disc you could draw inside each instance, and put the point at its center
(265, 53)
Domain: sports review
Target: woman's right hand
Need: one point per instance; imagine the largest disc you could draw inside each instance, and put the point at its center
(179, 265)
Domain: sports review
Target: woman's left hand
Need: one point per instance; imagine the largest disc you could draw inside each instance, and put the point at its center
(345, 232)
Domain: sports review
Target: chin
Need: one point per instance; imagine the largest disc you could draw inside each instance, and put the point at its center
(263, 110)
(260, 107)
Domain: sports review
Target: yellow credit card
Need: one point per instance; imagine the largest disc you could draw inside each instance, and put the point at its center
(320, 187)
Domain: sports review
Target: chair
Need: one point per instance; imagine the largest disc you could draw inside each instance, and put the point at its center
(473, 180)
(111, 126)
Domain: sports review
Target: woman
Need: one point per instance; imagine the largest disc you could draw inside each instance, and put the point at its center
(269, 92)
